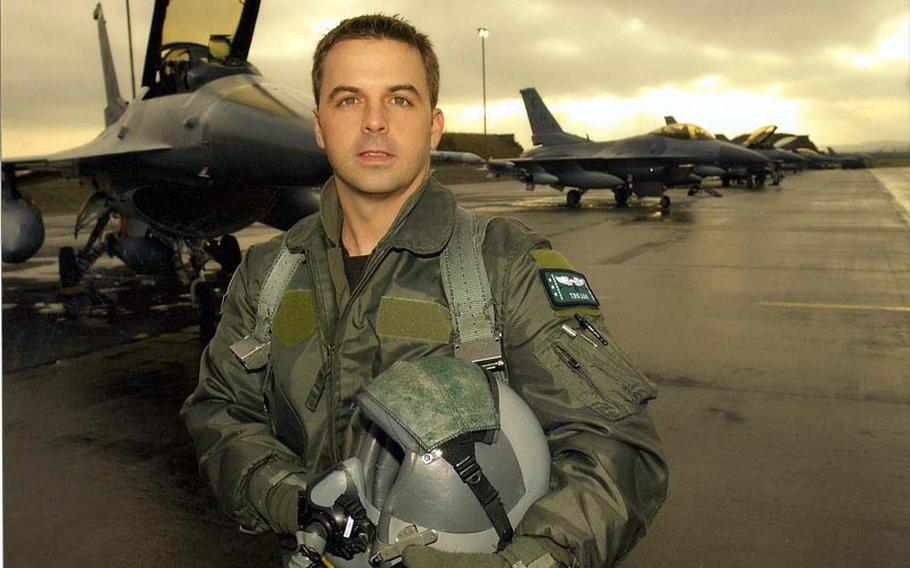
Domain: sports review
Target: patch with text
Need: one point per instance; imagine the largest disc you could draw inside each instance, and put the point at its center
(567, 288)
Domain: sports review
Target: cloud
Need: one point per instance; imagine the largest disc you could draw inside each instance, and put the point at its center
(740, 56)
(892, 46)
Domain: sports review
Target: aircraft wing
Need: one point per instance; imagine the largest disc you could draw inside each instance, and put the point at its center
(591, 172)
(594, 163)
(100, 149)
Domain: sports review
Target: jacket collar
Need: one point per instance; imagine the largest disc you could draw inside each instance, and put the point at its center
(423, 226)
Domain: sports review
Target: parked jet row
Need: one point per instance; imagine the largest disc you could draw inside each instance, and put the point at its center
(645, 165)
(209, 146)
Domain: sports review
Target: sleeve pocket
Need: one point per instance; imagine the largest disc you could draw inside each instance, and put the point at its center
(600, 377)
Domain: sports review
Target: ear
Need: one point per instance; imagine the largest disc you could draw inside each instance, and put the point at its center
(436, 128)
(317, 130)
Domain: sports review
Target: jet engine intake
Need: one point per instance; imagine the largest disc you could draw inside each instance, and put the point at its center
(291, 205)
(23, 229)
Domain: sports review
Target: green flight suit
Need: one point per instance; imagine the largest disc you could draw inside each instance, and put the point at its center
(298, 414)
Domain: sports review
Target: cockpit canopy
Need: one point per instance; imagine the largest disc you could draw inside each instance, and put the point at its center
(195, 21)
(192, 42)
(683, 131)
(760, 136)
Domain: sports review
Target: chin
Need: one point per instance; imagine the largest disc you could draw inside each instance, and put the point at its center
(377, 184)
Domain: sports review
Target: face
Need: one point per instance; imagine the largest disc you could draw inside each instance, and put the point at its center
(374, 119)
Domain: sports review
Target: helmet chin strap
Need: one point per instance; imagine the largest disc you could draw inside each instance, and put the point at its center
(460, 454)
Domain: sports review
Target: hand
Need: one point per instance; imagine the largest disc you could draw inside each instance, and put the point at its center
(330, 509)
(522, 548)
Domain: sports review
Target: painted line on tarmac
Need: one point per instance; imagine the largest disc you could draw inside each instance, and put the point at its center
(811, 306)
(895, 182)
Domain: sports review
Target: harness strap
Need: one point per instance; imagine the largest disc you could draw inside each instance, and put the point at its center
(253, 350)
(467, 289)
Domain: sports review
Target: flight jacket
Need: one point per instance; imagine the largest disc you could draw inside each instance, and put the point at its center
(608, 477)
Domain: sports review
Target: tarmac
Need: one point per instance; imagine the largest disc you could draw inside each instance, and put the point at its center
(776, 322)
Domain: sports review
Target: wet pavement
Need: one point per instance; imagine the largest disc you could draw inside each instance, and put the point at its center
(776, 322)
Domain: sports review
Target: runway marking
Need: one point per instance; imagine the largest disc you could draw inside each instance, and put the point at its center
(823, 306)
(894, 180)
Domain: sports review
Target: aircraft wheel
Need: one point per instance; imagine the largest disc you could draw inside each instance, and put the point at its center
(573, 198)
(692, 191)
(229, 256)
(622, 196)
(70, 274)
(725, 182)
(664, 201)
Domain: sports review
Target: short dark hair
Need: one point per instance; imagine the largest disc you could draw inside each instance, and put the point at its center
(379, 26)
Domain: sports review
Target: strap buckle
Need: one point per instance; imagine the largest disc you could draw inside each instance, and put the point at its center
(487, 354)
(252, 353)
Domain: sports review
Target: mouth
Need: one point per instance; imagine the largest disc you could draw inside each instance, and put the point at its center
(375, 156)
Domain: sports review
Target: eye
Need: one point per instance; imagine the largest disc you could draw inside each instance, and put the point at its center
(346, 101)
(401, 101)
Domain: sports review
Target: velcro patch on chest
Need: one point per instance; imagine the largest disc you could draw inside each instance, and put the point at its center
(295, 320)
(414, 319)
(567, 288)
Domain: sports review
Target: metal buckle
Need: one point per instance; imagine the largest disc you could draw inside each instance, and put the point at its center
(408, 536)
(252, 353)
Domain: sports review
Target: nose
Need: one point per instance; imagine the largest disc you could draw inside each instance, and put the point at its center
(375, 120)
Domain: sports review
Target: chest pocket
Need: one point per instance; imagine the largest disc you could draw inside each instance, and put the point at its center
(295, 320)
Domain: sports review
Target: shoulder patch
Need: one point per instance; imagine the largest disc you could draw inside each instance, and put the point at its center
(567, 288)
(546, 258)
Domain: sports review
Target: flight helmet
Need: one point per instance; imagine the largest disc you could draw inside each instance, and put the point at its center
(453, 460)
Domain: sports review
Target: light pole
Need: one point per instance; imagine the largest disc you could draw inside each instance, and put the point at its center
(484, 33)
(129, 33)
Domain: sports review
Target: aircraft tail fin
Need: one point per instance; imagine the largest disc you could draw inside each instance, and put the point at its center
(115, 103)
(544, 128)
(669, 120)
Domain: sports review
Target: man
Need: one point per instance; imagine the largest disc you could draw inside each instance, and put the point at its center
(369, 293)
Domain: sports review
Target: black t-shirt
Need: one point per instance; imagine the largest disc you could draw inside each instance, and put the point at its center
(354, 267)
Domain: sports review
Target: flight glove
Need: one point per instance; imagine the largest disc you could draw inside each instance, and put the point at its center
(281, 505)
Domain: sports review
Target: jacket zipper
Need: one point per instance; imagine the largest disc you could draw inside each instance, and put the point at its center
(336, 361)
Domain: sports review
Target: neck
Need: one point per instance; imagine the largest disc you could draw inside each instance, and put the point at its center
(368, 216)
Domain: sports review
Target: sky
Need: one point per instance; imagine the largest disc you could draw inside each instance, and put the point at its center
(837, 70)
